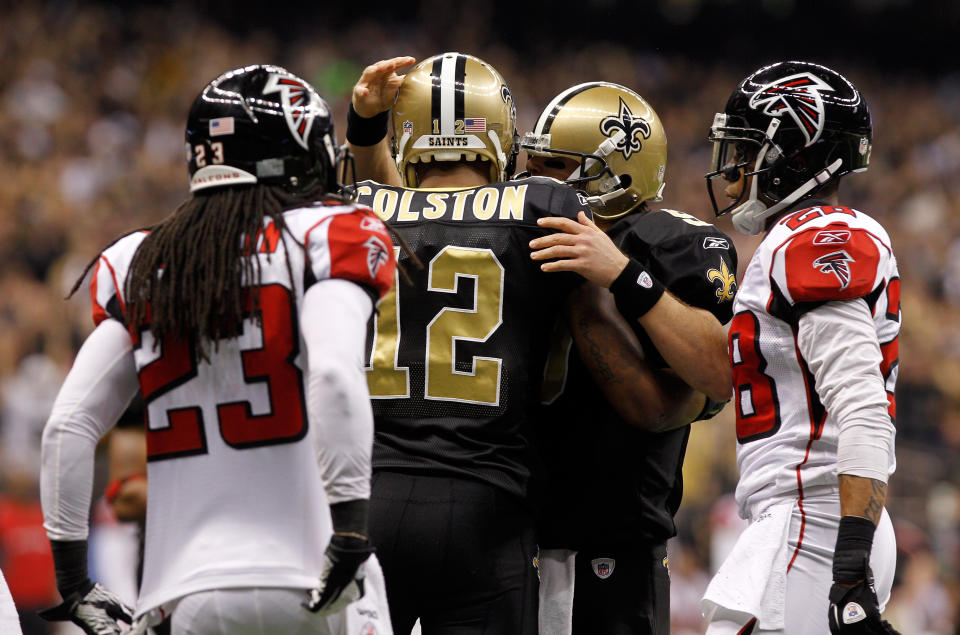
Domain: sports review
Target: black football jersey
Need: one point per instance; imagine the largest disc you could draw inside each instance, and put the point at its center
(610, 483)
(456, 358)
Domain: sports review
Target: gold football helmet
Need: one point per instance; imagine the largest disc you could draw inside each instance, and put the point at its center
(617, 138)
(454, 107)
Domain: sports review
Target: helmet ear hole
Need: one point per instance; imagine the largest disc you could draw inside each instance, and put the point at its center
(798, 163)
(625, 180)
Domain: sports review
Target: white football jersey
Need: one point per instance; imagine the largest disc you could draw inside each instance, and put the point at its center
(787, 442)
(236, 497)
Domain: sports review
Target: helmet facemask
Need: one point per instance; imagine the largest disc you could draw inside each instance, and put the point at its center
(769, 173)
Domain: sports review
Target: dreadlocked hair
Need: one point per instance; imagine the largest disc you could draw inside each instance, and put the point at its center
(200, 249)
(189, 276)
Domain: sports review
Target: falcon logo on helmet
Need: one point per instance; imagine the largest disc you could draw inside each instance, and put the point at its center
(296, 99)
(799, 96)
(631, 126)
(836, 263)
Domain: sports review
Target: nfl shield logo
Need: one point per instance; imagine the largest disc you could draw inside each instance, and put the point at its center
(603, 567)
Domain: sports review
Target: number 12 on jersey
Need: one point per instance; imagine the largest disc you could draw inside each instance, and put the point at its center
(387, 379)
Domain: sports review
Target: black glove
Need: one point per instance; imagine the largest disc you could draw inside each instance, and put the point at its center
(854, 609)
(94, 609)
(341, 581)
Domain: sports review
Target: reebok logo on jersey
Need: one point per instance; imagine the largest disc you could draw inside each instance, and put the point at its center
(715, 242)
(371, 224)
(603, 567)
(853, 613)
(836, 262)
(831, 237)
(645, 281)
(798, 96)
(377, 255)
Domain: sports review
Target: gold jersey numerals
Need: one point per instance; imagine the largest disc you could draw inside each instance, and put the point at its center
(444, 381)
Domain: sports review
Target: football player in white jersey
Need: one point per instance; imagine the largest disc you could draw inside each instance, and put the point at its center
(813, 347)
(241, 318)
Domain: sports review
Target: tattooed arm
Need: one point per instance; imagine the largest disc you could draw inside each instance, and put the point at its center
(863, 497)
(649, 399)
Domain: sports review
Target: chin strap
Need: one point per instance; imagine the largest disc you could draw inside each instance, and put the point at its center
(750, 217)
(604, 149)
(501, 157)
(613, 183)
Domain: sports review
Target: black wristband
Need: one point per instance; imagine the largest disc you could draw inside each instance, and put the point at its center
(70, 566)
(711, 409)
(851, 556)
(350, 517)
(635, 291)
(364, 131)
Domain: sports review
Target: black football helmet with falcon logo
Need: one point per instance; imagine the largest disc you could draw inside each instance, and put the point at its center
(794, 127)
(261, 124)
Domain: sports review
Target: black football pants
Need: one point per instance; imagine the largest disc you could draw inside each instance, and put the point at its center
(456, 553)
(628, 596)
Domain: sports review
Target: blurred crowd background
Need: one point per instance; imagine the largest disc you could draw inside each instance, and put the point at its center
(93, 98)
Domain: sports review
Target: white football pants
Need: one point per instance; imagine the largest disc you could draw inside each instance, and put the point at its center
(810, 575)
(270, 611)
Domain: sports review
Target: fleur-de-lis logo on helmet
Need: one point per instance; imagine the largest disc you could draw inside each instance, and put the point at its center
(507, 97)
(631, 125)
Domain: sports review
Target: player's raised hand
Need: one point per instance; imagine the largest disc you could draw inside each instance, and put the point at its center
(377, 87)
(581, 247)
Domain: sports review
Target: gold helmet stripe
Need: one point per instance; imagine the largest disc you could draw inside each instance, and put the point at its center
(447, 79)
(550, 112)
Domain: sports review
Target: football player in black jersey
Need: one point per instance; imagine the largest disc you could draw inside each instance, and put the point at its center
(614, 488)
(457, 356)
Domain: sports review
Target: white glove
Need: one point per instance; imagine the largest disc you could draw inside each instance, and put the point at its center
(97, 611)
(341, 581)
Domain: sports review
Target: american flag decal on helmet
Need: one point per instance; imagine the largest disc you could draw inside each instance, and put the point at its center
(799, 96)
(836, 262)
(297, 104)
